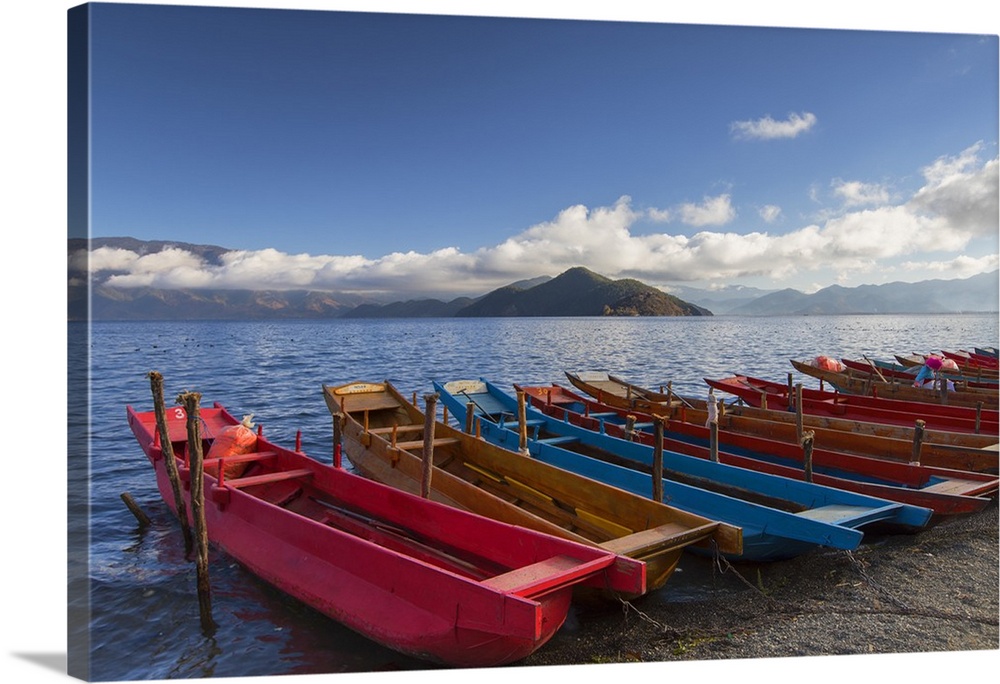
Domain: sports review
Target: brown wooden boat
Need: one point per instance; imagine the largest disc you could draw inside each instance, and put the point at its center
(895, 372)
(850, 381)
(967, 370)
(961, 451)
(383, 435)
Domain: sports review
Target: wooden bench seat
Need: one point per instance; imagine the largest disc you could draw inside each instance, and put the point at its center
(953, 485)
(419, 444)
(399, 429)
(245, 458)
(668, 535)
(556, 441)
(526, 578)
(269, 477)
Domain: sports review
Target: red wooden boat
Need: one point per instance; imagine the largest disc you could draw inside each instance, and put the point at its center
(967, 358)
(425, 579)
(956, 450)
(758, 392)
(947, 492)
(967, 369)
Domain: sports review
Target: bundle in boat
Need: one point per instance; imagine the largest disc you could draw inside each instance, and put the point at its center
(414, 575)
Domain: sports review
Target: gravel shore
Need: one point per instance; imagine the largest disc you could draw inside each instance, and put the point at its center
(935, 591)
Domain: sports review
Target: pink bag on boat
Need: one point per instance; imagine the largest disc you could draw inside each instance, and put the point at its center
(234, 441)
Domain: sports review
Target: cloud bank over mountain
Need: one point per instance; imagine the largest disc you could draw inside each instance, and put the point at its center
(926, 234)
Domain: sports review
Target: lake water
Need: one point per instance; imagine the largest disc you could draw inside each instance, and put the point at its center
(143, 615)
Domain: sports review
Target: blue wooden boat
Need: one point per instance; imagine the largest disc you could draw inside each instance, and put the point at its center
(780, 517)
(987, 351)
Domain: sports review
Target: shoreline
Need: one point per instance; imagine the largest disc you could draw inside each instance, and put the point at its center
(933, 591)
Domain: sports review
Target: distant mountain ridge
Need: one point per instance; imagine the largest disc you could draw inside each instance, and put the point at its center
(979, 293)
(576, 292)
(581, 292)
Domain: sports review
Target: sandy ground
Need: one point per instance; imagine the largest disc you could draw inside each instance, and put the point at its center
(935, 591)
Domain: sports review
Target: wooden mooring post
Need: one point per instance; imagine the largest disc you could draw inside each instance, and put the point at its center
(807, 454)
(918, 440)
(140, 516)
(338, 431)
(522, 422)
(169, 459)
(630, 427)
(190, 401)
(798, 411)
(470, 413)
(657, 458)
(430, 413)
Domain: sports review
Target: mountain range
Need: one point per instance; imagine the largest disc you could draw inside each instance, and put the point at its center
(575, 292)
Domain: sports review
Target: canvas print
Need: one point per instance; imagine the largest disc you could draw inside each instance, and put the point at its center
(421, 344)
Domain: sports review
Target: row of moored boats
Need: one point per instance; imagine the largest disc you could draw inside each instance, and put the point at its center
(463, 528)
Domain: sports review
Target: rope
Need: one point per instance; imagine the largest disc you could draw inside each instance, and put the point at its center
(904, 608)
(787, 611)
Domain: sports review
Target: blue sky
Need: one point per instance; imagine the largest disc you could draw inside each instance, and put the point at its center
(445, 155)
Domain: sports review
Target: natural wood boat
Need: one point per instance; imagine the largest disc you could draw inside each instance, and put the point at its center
(960, 451)
(383, 436)
(849, 381)
(425, 579)
(965, 366)
(895, 372)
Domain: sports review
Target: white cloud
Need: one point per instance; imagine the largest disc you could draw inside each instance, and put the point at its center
(961, 266)
(930, 233)
(770, 129)
(961, 192)
(659, 215)
(713, 211)
(858, 194)
(769, 213)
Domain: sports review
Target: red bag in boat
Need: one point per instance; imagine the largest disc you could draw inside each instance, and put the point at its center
(828, 363)
(234, 441)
